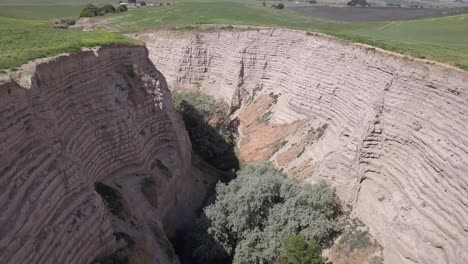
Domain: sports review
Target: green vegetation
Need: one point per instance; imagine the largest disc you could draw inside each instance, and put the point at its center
(278, 6)
(40, 12)
(107, 9)
(257, 212)
(207, 121)
(122, 8)
(25, 40)
(300, 250)
(91, 10)
(441, 39)
(357, 3)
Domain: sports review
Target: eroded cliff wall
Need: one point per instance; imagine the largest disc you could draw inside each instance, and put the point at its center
(394, 143)
(66, 124)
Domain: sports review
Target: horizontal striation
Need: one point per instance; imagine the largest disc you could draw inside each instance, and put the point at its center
(79, 123)
(397, 127)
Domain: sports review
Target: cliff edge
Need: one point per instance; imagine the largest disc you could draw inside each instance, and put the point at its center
(94, 163)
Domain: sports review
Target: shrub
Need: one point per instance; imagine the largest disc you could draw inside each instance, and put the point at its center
(107, 9)
(122, 8)
(255, 213)
(300, 250)
(357, 3)
(90, 11)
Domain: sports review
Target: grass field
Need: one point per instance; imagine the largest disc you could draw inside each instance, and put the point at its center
(40, 12)
(25, 40)
(377, 14)
(54, 2)
(185, 14)
(442, 39)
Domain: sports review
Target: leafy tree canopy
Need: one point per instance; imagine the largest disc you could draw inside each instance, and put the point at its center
(255, 213)
(300, 250)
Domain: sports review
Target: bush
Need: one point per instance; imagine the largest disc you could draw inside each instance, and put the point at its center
(300, 250)
(255, 213)
(90, 11)
(122, 8)
(357, 3)
(107, 9)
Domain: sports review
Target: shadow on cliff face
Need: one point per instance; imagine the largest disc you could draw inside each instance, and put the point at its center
(210, 131)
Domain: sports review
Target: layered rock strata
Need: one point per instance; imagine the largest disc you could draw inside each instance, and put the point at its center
(393, 137)
(77, 123)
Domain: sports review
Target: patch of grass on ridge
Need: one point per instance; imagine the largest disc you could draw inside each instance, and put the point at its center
(25, 40)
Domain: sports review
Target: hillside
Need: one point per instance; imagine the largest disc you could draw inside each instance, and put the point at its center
(387, 131)
(95, 162)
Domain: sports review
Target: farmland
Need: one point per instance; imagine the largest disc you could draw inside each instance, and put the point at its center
(377, 14)
(442, 39)
(39, 12)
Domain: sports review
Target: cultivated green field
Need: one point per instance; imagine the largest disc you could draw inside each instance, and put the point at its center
(54, 2)
(25, 40)
(40, 12)
(188, 14)
(441, 39)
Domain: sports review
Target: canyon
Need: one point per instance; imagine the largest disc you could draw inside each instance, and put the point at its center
(387, 131)
(99, 119)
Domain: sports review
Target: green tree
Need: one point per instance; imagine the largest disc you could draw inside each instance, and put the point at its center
(300, 250)
(357, 3)
(256, 212)
(122, 8)
(107, 9)
(90, 11)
